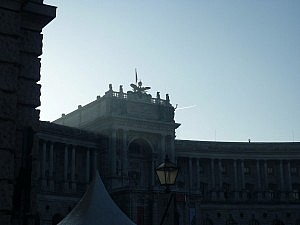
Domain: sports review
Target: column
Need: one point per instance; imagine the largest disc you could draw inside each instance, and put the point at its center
(163, 148)
(289, 179)
(213, 181)
(236, 188)
(152, 174)
(87, 175)
(266, 174)
(258, 175)
(244, 194)
(242, 175)
(289, 175)
(266, 179)
(220, 174)
(51, 160)
(282, 194)
(44, 152)
(172, 150)
(95, 166)
(44, 149)
(124, 155)
(73, 168)
(113, 152)
(66, 166)
(198, 175)
(259, 196)
(190, 173)
(221, 192)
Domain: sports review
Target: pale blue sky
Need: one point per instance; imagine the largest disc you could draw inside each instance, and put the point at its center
(236, 62)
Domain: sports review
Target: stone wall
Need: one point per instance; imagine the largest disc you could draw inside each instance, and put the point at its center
(20, 46)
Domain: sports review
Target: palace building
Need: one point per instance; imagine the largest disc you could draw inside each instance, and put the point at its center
(125, 136)
(46, 167)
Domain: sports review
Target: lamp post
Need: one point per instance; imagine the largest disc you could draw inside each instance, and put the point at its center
(167, 173)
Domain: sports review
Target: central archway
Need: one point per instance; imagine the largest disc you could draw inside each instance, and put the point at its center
(140, 164)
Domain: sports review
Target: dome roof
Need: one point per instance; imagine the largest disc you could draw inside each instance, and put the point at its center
(96, 207)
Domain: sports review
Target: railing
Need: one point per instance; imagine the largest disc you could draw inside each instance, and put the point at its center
(122, 95)
(246, 196)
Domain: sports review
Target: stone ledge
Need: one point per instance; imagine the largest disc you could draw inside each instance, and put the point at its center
(36, 16)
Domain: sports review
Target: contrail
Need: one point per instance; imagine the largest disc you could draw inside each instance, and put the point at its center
(186, 107)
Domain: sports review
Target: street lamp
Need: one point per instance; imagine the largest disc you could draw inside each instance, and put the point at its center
(167, 173)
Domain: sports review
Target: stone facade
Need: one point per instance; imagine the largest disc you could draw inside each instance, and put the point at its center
(219, 182)
(20, 46)
(46, 167)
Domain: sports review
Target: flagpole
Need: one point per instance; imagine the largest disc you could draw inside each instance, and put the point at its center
(136, 77)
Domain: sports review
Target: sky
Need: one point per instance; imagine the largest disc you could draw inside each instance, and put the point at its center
(233, 67)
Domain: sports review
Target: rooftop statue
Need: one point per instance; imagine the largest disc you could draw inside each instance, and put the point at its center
(138, 88)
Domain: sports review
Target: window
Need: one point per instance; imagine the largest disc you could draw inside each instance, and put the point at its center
(296, 195)
(294, 170)
(201, 170)
(247, 170)
(224, 169)
(270, 170)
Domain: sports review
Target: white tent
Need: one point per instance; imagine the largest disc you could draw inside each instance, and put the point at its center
(96, 208)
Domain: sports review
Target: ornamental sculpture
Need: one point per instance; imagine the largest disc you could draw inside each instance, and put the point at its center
(138, 88)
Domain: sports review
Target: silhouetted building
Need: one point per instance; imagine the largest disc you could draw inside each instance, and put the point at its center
(126, 135)
(21, 23)
(46, 167)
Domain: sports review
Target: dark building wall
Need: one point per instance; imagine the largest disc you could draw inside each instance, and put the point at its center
(21, 23)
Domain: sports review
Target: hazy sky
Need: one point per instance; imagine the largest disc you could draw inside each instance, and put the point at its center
(236, 62)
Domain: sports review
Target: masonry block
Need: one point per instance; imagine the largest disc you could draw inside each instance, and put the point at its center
(31, 66)
(7, 135)
(8, 104)
(29, 92)
(9, 49)
(5, 219)
(31, 42)
(10, 21)
(6, 165)
(8, 77)
(27, 116)
(6, 193)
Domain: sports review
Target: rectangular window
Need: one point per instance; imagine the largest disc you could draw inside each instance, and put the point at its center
(201, 170)
(247, 170)
(224, 169)
(294, 170)
(270, 170)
